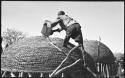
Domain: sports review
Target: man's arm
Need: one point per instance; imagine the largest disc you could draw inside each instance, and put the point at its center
(56, 30)
(60, 22)
(55, 22)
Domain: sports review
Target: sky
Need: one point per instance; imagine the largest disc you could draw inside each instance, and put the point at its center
(104, 19)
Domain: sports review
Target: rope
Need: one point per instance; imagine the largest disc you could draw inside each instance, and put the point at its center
(56, 46)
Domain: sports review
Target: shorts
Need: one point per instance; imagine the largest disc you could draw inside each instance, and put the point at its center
(74, 31)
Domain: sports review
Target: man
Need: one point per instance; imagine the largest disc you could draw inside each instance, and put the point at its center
(73, 30)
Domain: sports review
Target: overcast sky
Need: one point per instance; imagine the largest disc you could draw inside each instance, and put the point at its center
(104, 19)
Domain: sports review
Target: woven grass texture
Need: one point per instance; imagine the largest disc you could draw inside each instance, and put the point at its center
(36, 54)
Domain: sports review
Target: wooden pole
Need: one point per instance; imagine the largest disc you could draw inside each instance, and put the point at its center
(62, 75)
(20, 74)
(41, 74)
(29, 75)
(2, 72)
(103, 71)
(107, 70)
(12, 74)
(3, 75)
(97, 62)
(49, 74)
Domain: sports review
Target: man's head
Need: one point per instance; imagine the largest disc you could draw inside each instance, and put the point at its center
(61, 13)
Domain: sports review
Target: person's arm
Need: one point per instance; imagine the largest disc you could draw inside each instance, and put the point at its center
(56, 30)
(55, 22)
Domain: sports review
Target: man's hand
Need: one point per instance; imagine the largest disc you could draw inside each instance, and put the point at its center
(56, 30)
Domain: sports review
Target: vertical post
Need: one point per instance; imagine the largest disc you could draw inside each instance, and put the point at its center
(107, 70)
(2, 72)
(12, 74)
(103, 71)
(3, 75)
(29, 75)
(41, 74)
(49, 74)
(98, 48)
(98, 67)
(20, 74)
(119, 69)
(102, 68)
(62, 75)
(97, 62)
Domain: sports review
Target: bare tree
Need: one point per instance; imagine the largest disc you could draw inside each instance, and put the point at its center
(12, 35)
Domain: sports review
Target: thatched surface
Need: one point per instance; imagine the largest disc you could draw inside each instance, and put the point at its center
(36, 54)
(101, 53)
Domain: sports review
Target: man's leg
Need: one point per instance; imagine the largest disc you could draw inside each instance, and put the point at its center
(85, 65)
(66, 40)
(69, 33)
